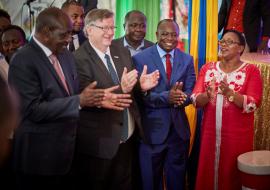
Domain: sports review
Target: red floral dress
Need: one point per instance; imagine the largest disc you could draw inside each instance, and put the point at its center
(227, 130)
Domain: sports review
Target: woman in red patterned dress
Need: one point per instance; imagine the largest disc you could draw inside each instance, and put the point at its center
(229, 91)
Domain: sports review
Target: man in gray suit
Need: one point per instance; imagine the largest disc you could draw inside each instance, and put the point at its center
(135, 29)
(105, 137)
(44, 74)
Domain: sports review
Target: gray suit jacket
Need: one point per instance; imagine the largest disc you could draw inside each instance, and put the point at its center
(100, 129)
(120, 42)
(45, 139)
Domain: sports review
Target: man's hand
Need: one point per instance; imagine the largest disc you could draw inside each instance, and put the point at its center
(90, 96)
(128, 80)
(148, 81)
(115, 101)
(176, 95)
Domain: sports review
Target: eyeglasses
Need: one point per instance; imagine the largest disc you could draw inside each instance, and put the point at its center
(227, 42)
(104, 28)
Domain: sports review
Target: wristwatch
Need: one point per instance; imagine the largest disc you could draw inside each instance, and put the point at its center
(231, 97)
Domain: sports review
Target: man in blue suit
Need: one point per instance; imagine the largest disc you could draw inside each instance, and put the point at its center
(164, 120)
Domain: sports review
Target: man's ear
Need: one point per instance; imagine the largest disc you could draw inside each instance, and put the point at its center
(45, 32)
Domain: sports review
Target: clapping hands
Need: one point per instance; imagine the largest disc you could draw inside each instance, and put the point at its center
(148, 81)
(176, 96)
(106, 98)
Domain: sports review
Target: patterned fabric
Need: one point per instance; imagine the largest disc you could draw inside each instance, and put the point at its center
(227, 130)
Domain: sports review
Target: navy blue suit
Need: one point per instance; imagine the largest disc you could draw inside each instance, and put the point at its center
(165, 127)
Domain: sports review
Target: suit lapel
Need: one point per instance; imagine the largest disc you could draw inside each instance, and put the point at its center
(118, 63)
(99, 63)
(158, 62)
(65, 69)
(176, 65)
(48, 64)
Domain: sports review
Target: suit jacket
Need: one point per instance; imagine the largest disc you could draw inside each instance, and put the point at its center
(254, 12)
(157, 114)
(120, 42)
(81, 37)
(45, 138)
(100, 129)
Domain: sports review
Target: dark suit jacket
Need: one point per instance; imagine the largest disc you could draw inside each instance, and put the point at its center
(254, 12)
(45, 138)
(100, 129)
(157, 114)
(120, 42)
(81, 37)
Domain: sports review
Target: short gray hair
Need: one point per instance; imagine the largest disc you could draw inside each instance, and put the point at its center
(95, 15)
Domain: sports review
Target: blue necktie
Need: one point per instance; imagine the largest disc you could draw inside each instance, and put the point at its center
(114, 76)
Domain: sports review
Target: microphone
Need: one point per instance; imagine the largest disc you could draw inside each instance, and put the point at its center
(27, 2)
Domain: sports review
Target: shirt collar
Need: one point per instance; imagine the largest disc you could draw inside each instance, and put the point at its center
(162, 53)
(126, 44)
(46, 50)
(100, 53)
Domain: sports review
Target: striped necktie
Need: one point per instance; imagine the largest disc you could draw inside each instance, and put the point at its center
(124, 134)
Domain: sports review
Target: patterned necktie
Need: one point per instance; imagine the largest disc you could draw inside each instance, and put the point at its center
(168, 66)
(58, 70)
(124, 134)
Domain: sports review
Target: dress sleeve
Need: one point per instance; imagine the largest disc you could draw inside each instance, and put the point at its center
(253, 95)
(199, 86)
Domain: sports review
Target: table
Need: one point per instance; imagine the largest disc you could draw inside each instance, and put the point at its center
(262, 114)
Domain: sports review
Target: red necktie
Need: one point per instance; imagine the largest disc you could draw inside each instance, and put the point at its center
(58, 70)
(168, 66)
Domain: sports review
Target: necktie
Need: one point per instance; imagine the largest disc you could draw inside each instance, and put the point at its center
(71, 46)
(168, 66)
(124, 132)
(58, 70)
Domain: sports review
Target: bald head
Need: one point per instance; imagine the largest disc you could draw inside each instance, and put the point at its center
(51, 18)
(53, 29)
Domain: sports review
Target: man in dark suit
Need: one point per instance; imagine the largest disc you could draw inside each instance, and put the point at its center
(75, 12)
(43, 73)
(135, 29)
(252, 18)
(165, 124)
(105, 136)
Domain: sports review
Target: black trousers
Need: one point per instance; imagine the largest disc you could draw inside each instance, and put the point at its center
(34, 182)
(105, 174)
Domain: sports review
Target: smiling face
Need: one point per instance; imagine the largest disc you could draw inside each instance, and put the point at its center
(76, 15)
(12, 39)
(101, 33)
(167, 35)
(230, 46)
(58, 37)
